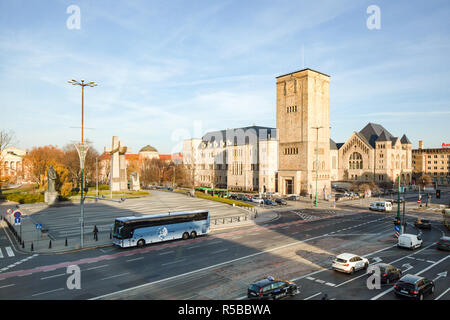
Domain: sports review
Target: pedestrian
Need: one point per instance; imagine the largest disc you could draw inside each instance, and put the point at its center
(95, 233)
(324, 297)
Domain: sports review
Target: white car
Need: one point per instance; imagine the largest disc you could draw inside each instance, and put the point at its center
(349, 263)
(258, 200)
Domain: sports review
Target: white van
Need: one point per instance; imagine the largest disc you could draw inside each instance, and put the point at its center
(410, 241)
(381, 206)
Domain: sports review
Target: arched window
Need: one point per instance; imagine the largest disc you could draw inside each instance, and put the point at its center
(355, 161)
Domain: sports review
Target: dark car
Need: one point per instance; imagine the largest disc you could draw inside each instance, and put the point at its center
(413, 286)
(388, 273)
(280, 201)
(443, 243)
(422, 224)
(269, 202)
(271, 288)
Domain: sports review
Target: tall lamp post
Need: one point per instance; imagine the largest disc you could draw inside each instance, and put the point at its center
(82, 150)
(317, 157)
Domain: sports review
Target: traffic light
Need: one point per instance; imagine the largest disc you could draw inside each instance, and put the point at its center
(397, 221)
(438, 194)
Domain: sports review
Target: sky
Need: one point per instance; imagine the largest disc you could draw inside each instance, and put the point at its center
(173, 70)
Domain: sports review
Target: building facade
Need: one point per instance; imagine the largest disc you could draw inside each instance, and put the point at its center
(12, 166)
(242, 159)
(434, 162)
(375, 155)
(303, 123)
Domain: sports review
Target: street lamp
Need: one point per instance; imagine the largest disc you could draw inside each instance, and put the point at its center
(81, 149)
(317, 157)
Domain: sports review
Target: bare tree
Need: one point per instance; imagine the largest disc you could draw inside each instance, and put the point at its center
(7, 139)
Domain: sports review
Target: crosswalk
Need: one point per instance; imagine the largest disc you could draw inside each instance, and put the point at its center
(8, 252)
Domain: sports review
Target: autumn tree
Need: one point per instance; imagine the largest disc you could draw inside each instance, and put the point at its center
(71, 161)
(424, 180)
(39, 159)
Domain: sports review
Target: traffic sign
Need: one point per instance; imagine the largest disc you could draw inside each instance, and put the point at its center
(397, 228)
(17, 214)
(17, 221)
(9, 211)
(38, 226)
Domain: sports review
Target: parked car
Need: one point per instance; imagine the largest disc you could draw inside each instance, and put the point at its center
(388, 273)
(413, 286)
(384, 206)
(292, 197)
(271, 288)
(349, 263)
(280, 201)
(245, 198)
(422, 223)
(443, 243)
(269, 202)
(410, 241)
(258, 200)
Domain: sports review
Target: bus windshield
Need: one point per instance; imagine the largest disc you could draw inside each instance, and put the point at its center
(117, 226)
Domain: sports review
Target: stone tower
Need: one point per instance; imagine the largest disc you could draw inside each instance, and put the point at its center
(303, 104)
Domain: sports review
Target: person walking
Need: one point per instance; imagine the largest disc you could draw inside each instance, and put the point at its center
(95, 233)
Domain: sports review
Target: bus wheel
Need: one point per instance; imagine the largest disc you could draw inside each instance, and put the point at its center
(193, 234)
(185, 236)
(141, 243)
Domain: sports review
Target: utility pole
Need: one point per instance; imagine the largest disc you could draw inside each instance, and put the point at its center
(82, 152)
(317, 158)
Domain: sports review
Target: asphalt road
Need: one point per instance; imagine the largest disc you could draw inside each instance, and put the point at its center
(298, 246)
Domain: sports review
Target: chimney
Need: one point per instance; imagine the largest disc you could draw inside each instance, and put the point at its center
(420, 144)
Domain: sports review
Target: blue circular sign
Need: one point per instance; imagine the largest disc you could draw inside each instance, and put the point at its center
(17, 214)
(397, 228)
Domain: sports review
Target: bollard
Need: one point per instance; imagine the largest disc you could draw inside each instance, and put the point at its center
(66, 243)
(110, 235)
(32, 249)
(23, 244)
(50, 244)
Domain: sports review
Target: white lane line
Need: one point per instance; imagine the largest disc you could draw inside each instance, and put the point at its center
(102, 266)
(163, 253)
(9, 252)
(219, 251)
(115, 276)
(330, 284)
(8, 285)
(54, 276)
(193, 247)
(315, 295)
(173, 262)
(38, 294)
(438, 297)
(310, 278)
(1, 254)
(320, 281)
(140, 258)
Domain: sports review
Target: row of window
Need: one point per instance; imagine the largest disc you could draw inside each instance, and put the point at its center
(289, 151)
(291, 109)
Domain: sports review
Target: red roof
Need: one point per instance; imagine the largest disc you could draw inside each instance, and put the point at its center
(165, 157)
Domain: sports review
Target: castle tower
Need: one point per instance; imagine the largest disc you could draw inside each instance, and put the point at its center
(303, 104)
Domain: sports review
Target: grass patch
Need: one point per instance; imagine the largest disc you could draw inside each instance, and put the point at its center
(222, 200)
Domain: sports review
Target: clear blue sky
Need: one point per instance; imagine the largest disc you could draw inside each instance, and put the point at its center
(169, 70)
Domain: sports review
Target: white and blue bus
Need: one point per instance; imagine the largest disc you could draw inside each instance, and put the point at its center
(138, 231)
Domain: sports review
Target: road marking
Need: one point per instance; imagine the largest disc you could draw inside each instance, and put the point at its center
(162, 253)
(54, 276)
(219, 251)
(315, 295)
(117, 275)
(320, 281)
(105, 265)
(193, 247)
(6, 286)
(9, 252)
(330, 284)
(1, 254)
(437, 298)
(173, 262)
(140, 258)
(38, 294)
(310, 278)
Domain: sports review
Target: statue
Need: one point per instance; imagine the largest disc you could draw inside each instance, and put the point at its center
(51, 175)
(51, 196)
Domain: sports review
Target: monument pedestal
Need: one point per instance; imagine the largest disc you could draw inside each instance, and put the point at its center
(50, 197)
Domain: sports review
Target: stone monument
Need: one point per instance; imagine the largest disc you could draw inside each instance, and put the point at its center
(51, 195)
(118, 166)
(135, 184)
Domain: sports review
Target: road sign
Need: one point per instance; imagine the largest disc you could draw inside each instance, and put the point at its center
(38, 226)
(17, 221)
(17, 214)
(397, 228)
(9, 211)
